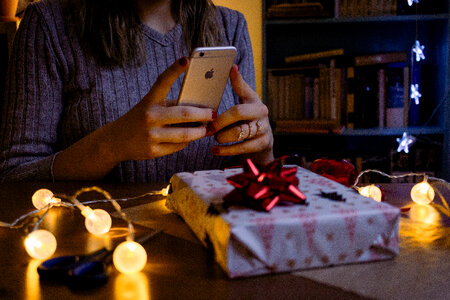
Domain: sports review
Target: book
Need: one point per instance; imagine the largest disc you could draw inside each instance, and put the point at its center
(309, 98)
(313, 56)
(366, 97)
(380, 58)
(296, 10)
(397, 96)
(381, 97)
(308, 126)
(350, 97)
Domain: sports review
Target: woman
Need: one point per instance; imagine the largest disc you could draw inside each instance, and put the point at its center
(87, 89)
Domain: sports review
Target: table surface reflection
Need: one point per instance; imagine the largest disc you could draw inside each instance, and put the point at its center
(176, 267)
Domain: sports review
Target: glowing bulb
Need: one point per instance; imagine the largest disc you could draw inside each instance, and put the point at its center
(40, 244)
(371, 191)
(129, 257)
(422, 193)
(43, 197)
(97, 221)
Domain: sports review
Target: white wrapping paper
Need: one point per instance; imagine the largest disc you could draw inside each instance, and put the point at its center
(288, 238)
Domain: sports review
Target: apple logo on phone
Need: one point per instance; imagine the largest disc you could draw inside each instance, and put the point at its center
(209, 74)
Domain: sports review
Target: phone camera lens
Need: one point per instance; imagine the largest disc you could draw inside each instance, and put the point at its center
(202, 54)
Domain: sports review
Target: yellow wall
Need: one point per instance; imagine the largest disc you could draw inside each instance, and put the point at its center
(252, 10)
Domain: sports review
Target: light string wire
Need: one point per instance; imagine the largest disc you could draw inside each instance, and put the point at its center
(21, 221)
(435, 182)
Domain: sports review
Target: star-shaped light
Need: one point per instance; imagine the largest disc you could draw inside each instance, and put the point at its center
(405, 142)
(418, 49)
(415, 93)
(410, 2)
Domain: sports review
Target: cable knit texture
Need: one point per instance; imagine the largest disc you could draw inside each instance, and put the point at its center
(55, 95)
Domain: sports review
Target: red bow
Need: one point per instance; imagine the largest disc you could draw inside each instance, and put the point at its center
(262, 187)
(340, 171)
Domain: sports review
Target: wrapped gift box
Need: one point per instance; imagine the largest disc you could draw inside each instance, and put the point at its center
(287, 238)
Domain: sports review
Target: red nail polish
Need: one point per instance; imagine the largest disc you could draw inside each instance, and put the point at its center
(214, 115)
(237, 68)
(183, 61)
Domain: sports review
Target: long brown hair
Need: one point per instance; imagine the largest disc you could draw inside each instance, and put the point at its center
(111, 31)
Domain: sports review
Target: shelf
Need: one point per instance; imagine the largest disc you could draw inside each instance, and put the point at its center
(375, 132)
(361, 35)
(365, 19)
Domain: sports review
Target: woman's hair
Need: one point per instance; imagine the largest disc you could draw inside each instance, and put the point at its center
(111, 31)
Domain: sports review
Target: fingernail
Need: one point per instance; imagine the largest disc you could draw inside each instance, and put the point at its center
(183, 61)
(214, 115)
(215, 151)
(237, 68)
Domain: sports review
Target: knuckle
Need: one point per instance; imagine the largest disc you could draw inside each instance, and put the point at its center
(152, 135)
(151, 115)
(184, 135)
(264, 110)
(184, 112)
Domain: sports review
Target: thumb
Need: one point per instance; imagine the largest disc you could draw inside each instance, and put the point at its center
(241, 88)
(165, 80)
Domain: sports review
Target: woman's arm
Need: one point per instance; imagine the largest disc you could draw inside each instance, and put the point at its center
(32, 104)
(145, 132)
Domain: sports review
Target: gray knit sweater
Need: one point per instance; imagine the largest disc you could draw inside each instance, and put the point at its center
(55, 95)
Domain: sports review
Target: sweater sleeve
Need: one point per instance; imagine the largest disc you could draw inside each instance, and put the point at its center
(32, 103)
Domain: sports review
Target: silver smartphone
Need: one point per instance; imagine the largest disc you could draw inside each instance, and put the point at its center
(207, 76)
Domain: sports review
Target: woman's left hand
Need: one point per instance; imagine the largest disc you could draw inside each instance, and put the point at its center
(246, 123)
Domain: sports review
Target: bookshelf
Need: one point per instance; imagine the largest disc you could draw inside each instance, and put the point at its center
(364, 33)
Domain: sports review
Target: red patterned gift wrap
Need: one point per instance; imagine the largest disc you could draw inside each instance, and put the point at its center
(337, 226)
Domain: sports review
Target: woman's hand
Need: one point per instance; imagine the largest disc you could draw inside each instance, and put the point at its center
(150, 129)
(246, 123)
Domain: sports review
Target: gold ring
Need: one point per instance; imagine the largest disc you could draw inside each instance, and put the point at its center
(249, 136)
(241, 133)
(258, 127)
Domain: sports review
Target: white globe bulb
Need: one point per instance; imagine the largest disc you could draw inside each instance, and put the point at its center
(98, 221)
(371, 191)
(40, 244)
(43, 197)
(129, 257)
(422, 193)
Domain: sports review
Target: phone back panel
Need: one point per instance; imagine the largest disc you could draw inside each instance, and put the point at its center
(207, 76)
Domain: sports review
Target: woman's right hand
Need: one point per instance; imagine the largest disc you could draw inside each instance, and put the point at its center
(147, 130)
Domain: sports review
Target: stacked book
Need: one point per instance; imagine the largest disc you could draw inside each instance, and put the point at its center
(296, 10)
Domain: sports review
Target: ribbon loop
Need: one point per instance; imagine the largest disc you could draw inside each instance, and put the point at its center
(263, 187)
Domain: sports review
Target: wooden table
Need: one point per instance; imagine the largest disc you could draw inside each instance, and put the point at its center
(176, 268)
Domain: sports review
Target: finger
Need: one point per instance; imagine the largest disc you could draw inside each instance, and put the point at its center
(239, 113)
(176, 134)
(241, 88)
(241, 132)
(161, 115)
(165, 80)
(254, 145)
(168, 148)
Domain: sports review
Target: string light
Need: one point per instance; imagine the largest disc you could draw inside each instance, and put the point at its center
(415, 94)
(129, 257)
(404, 142)
(371, 191)
(418, 50)
(422, 193)
(43, 197)
(40, 244)
(410, 2)
(97, 221)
